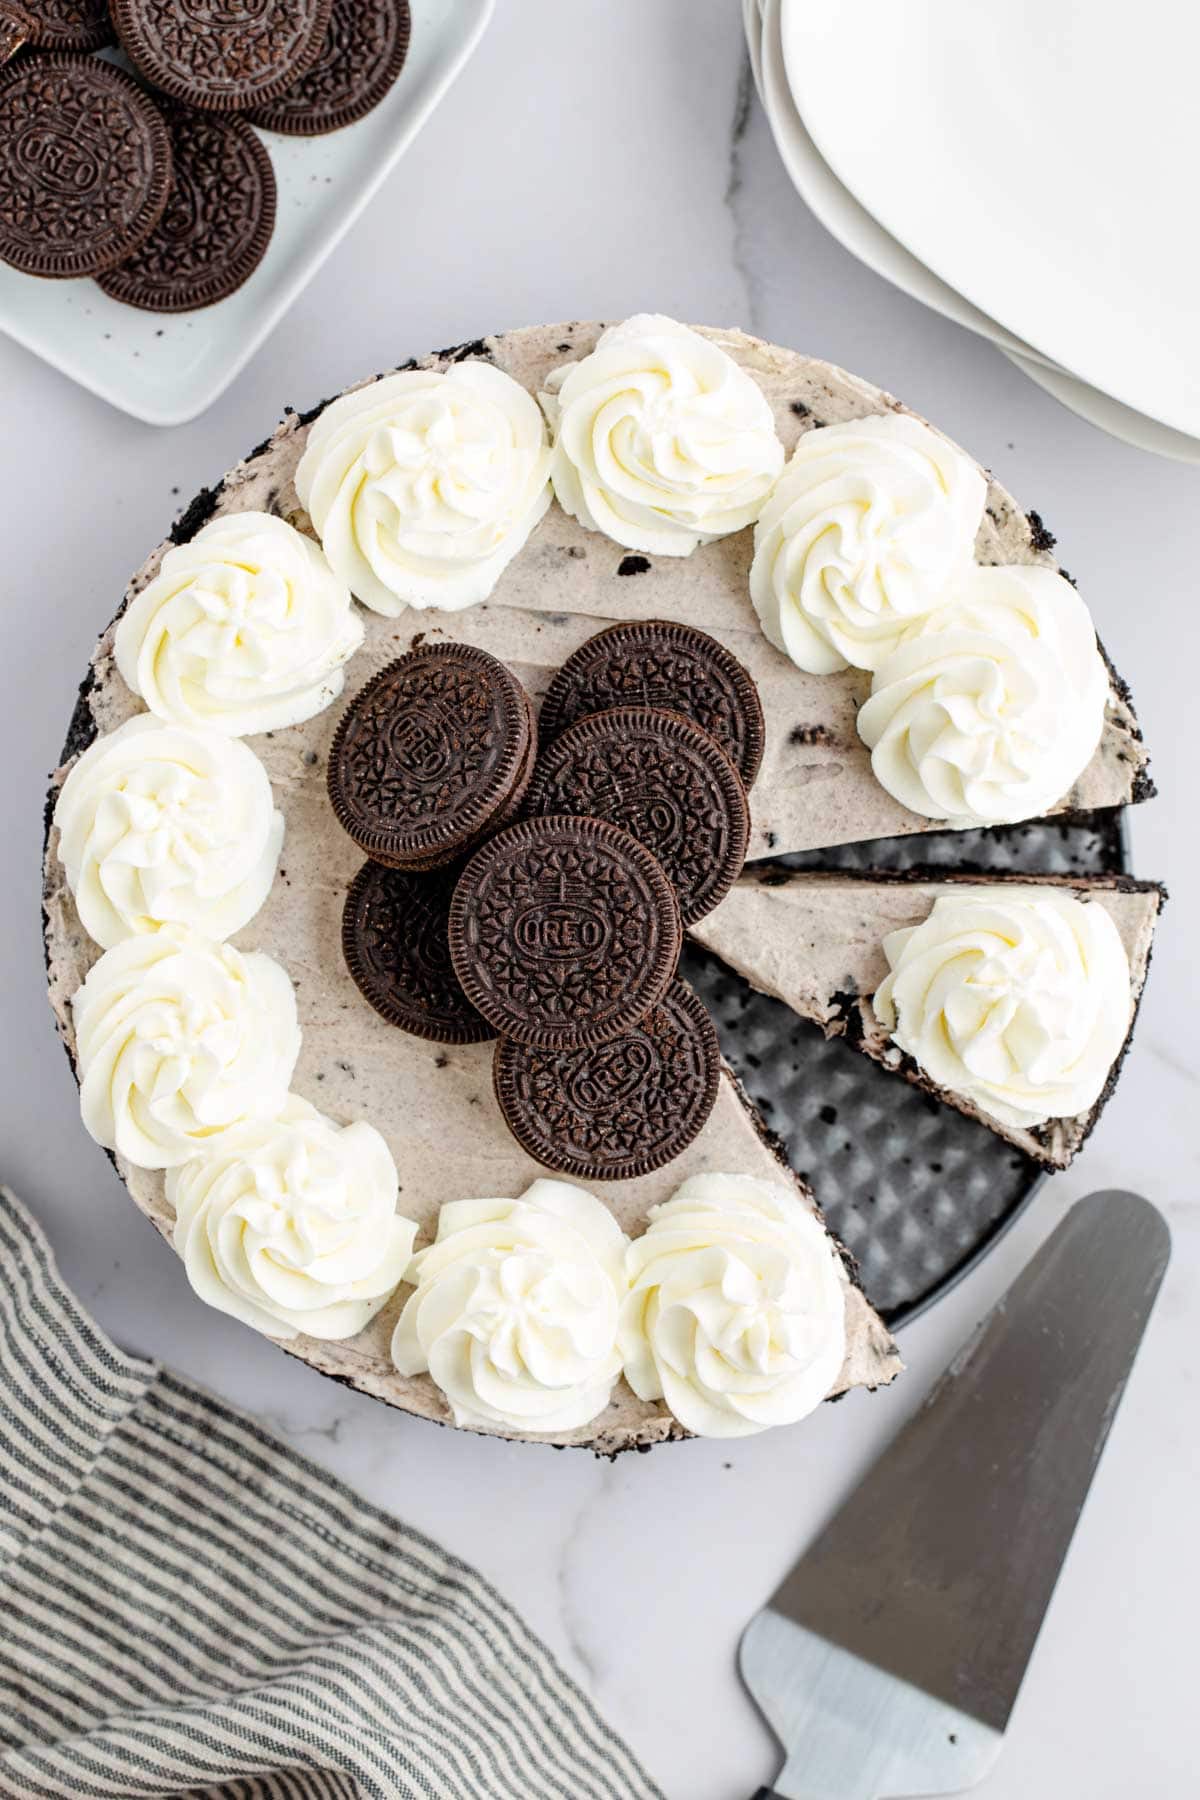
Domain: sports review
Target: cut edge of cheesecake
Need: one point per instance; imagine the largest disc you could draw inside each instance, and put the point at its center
(830, 976)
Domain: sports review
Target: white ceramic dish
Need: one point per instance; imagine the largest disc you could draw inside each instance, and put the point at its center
(166, 369)
(833, 204)
(752, 24)
(1076, 120)
(1109, 414)
(837, 209)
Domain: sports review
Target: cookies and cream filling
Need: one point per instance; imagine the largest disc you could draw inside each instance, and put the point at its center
(167, 824)
(423, 486)
(290, 1224)
(661, 441)
(244, 629)
(1018, 998)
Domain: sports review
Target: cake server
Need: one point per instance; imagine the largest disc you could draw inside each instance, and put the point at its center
(889, 1660)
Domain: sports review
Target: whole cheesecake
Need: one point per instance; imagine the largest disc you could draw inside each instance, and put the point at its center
(433, 1103)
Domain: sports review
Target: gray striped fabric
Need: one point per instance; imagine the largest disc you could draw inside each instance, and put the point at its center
(188, 1607)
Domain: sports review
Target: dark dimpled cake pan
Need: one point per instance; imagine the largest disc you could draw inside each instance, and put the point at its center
(915, 1190)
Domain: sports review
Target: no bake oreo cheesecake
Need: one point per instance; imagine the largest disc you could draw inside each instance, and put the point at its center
(329, 1176)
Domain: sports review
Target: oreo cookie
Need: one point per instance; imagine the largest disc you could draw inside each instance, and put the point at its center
(16, 30)
(222, 55)
(395, 939)
(657, 663)
(54, 25)
(661, 778)
(621, 1109)
(563, 932)
(218, 221)
(85, 165)
(436, 750)
(362, 54)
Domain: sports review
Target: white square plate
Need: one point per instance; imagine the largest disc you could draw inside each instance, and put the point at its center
(167, 368)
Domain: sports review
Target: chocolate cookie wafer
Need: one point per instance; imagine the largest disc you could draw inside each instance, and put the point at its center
(218, 220)
(395, 938)
(54, 25)
(16, 30)
(362, 54)
(655, 662)
(85, 165)
(563, 932)
(661, 778)
(222, 55)
(620, 1109)
(435, 750)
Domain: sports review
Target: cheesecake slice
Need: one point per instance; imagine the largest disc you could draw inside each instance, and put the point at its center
(816, 942)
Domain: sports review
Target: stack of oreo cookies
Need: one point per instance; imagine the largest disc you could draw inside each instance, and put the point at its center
(557, 931)
(159, 187)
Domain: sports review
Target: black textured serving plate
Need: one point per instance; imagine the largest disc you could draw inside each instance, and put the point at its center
(918, 1192)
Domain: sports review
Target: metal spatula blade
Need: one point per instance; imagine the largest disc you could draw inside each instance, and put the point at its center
(889, 1660)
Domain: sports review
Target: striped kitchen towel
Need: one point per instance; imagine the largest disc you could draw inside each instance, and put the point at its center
(188, 1607)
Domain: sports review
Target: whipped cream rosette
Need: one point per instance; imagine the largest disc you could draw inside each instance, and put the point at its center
(178, 1038)
(991, 707)
(245, 629)
(660, 440)
(167, 824)
(736, 1314)
(867, 526)
(1017, 998)
(290, 1224)
(425, 485)
(515, 1309)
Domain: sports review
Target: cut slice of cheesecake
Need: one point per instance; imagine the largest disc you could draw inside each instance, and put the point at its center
(815, 941)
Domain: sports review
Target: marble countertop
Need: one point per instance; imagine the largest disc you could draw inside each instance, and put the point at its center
(593, 161)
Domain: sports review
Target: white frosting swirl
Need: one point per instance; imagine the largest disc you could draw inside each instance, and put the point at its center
(992, 706)
(245, 629)
(1017, 998)
(167, 824)
(425, 485)
(290, 1224)
(660, 440)
(868, 523)
(736, 1314)
(176, 1039)
(515, 1309)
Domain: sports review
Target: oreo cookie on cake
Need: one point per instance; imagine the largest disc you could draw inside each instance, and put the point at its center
(664, 780)
(618, 1110)
(395, 939)
(564, 932)
(656, 662)
(436, 750)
